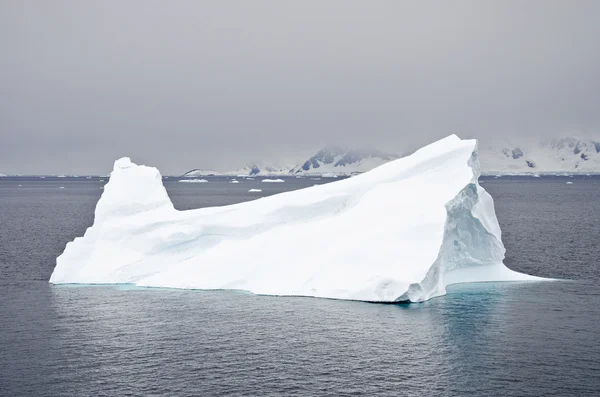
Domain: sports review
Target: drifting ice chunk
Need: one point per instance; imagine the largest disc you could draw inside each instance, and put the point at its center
(401, 232)
(329, 175)
(234, 181)
(193, 181)
(254, 190)
(273, 180)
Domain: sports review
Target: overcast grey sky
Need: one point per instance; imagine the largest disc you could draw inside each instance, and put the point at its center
(214, 84)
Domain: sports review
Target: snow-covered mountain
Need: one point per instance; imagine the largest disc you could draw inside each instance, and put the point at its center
(342, 161)
(260, 170)
(201, 172)
(556, 156)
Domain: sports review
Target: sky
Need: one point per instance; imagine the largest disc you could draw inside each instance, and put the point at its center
(216, 84)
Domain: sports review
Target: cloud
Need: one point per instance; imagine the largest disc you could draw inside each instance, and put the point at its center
(215, 84)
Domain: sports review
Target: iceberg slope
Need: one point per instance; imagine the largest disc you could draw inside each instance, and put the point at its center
(400, 232)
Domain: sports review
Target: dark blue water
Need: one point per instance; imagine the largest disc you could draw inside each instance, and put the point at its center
(516, 339)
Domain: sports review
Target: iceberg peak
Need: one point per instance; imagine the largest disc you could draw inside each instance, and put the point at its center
(400, 232)
(132, 189)
(123, 162)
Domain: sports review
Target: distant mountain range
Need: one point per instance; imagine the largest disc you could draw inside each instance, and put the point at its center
(556, 156)
(329, 161)
(567, 155)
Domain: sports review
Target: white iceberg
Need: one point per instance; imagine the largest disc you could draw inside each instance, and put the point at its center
(254, 190)
(329, 175)
(401, 232)
(273, 180)
(234, 181)
(192, 181)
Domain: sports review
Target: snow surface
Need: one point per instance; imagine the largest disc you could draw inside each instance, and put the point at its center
(273, 180)
(401, 232)
(193, 181)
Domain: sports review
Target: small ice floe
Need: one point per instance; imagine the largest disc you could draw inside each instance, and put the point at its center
(569, 183)
(234, 181)
(42, 177)
(254, 191)
(329, 175)
(316, 179)
(299, 177)
(62, 187)
(20, 185)
(193, 180)
(250, 179)
(273, 180)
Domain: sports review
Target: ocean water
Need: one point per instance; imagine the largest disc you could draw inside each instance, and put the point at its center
(514, 339)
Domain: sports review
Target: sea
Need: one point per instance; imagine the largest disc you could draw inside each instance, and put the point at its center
(487, 339)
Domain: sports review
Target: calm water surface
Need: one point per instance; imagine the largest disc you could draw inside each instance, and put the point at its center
(517, 339)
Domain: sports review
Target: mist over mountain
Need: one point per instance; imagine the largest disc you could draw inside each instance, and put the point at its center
(567, 155)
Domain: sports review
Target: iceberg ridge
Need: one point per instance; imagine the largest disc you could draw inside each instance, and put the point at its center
(403, 231)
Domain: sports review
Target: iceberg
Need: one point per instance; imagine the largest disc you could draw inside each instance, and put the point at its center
(254, 190)
(273, 180)
(401, 232)
(192, 181)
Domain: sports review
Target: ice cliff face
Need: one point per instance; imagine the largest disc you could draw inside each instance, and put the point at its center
(401, 232)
